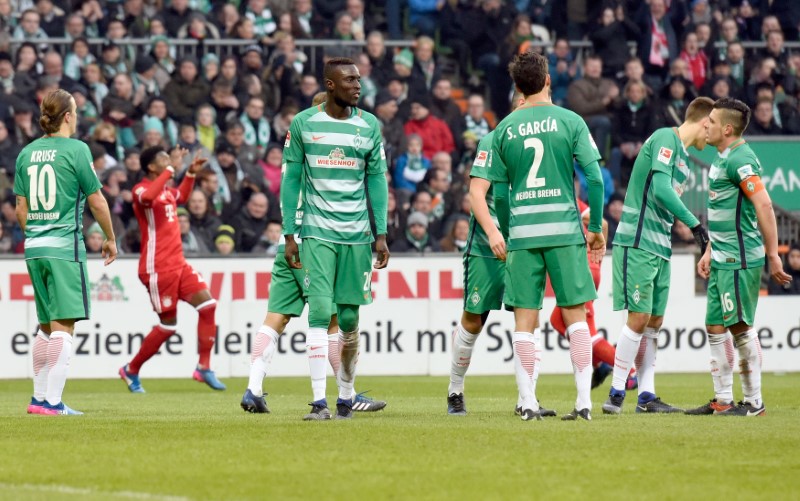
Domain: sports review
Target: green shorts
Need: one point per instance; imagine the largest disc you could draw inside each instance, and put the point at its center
(286, 287)
(732, 296)
(339, 271)
(641, 281)
(61, 289)
(483, 284)
(567, 266)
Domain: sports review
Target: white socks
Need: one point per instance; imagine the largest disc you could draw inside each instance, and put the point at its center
(524, 363)
(722, 365)
(749, 348)
(333, 352)
(463, 343)
(627, 348)
(646, 361)
(59, 350)
(317, 351)
(40, 367)
(580, 352)
(263, 349)
(346, 376)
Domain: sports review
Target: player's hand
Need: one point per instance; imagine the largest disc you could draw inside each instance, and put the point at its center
(197, 164)
(776, 270)
(701, 237)
(704, 265)
(498, 245)
(109, 251)
(382, 249)
(597, 246)
(292, 253)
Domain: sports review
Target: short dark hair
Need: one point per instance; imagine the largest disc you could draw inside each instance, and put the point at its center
(529, 71)
(148, 156)
(698, 109)
(735, 112)
(334, 63)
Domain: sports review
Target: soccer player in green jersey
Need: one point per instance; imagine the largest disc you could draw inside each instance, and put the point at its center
(537, 145)
(742, 227)
(335, 151)
(484, 272)
(642, 250)
(54, 178)
(285, 302)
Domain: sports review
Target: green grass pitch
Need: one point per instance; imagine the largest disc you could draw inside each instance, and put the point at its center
(183, 441)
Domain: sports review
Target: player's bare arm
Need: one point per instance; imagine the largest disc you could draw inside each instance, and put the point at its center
(478, 188)
(22, 212)
(99, 207)
(768, 227)
(292, 252)
(382, 249)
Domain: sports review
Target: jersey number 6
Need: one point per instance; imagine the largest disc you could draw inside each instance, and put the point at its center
(538, 152)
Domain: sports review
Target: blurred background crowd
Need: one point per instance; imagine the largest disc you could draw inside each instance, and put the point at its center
(225, 79)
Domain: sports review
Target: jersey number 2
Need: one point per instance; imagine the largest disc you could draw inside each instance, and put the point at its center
(43, 187)
(538, 152)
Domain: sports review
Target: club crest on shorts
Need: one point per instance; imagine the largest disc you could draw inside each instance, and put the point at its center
(307, 281)
(475, 298)
(636, 297)
(167, 301)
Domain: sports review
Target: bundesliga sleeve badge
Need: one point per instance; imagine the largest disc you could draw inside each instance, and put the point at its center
(480, 160)
(664, 155)
(288, 139)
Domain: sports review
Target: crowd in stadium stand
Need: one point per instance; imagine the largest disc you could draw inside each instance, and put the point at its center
(435, 99)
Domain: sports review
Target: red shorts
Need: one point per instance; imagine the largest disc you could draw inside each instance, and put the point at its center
(167, 288)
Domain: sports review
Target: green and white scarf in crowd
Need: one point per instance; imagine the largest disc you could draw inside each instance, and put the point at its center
(263, 23)
(252, 137)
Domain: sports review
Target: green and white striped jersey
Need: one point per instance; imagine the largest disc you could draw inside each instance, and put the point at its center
(478, 241)
(732, 223)
(645, 224)
(537, 146)
(335, 155)
(55, 174)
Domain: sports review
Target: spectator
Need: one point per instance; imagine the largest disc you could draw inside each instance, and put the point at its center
(309, 86)
(416, 238)
(673, 103)
(695, 59)
(591, 97)
(735, 57)
(164, 60)
(563, 70)
(117, 197)
(9, 150)
(303, 11)
(395, 220)
(225, 103)
(610, 40)
(410, 169)
(435, 134)
(379, 58)
(425, 71)
(105, 138)
(204, 223)
(369, 89)
(792, 267)
(135, 17)
(394, 137)
(95, 84)
(728, 34)
(25, 128)
(192, 243)
(470, 142)
(94, 239)
(176, 15)
(613, 214)
(208, 183)
(29, 28)
(658, 43)
(227, 18)
(403, 63)
(634, 72)
(456, 239)
(116, 31)
(207, 130)
(75, 27)
(437, 183)
(233, 178)
(188, 140)
(264, 24)
(6, 243)
(54, 68)
(763, 122)
(782, 73)
(250, 222)
(398, 90)
(424, 15)
(185, 91)
(112, 62)
(157, 108)
(632, 124)
(153, 134)
(77, 59)
(270, 241)
(145, 85)
(8, 210)
(234, 135)
(443, 106)
(225, 240)
(271, 165)
(475, 120)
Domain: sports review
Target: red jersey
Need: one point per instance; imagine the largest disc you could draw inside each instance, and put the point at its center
(156, 209)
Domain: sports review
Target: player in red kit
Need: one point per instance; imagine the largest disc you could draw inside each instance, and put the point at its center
(602, 351)
(162, 267)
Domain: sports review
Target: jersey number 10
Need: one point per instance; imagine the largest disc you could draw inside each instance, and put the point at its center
(43, 187)
(538, 153)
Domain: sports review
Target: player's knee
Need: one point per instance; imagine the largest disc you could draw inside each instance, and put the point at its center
(638, 321)
(208, 309)
(319, 312)
(348, 317)
(168, 319)
(473, 322)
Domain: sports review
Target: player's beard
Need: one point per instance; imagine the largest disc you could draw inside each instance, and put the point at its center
(341, 102)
